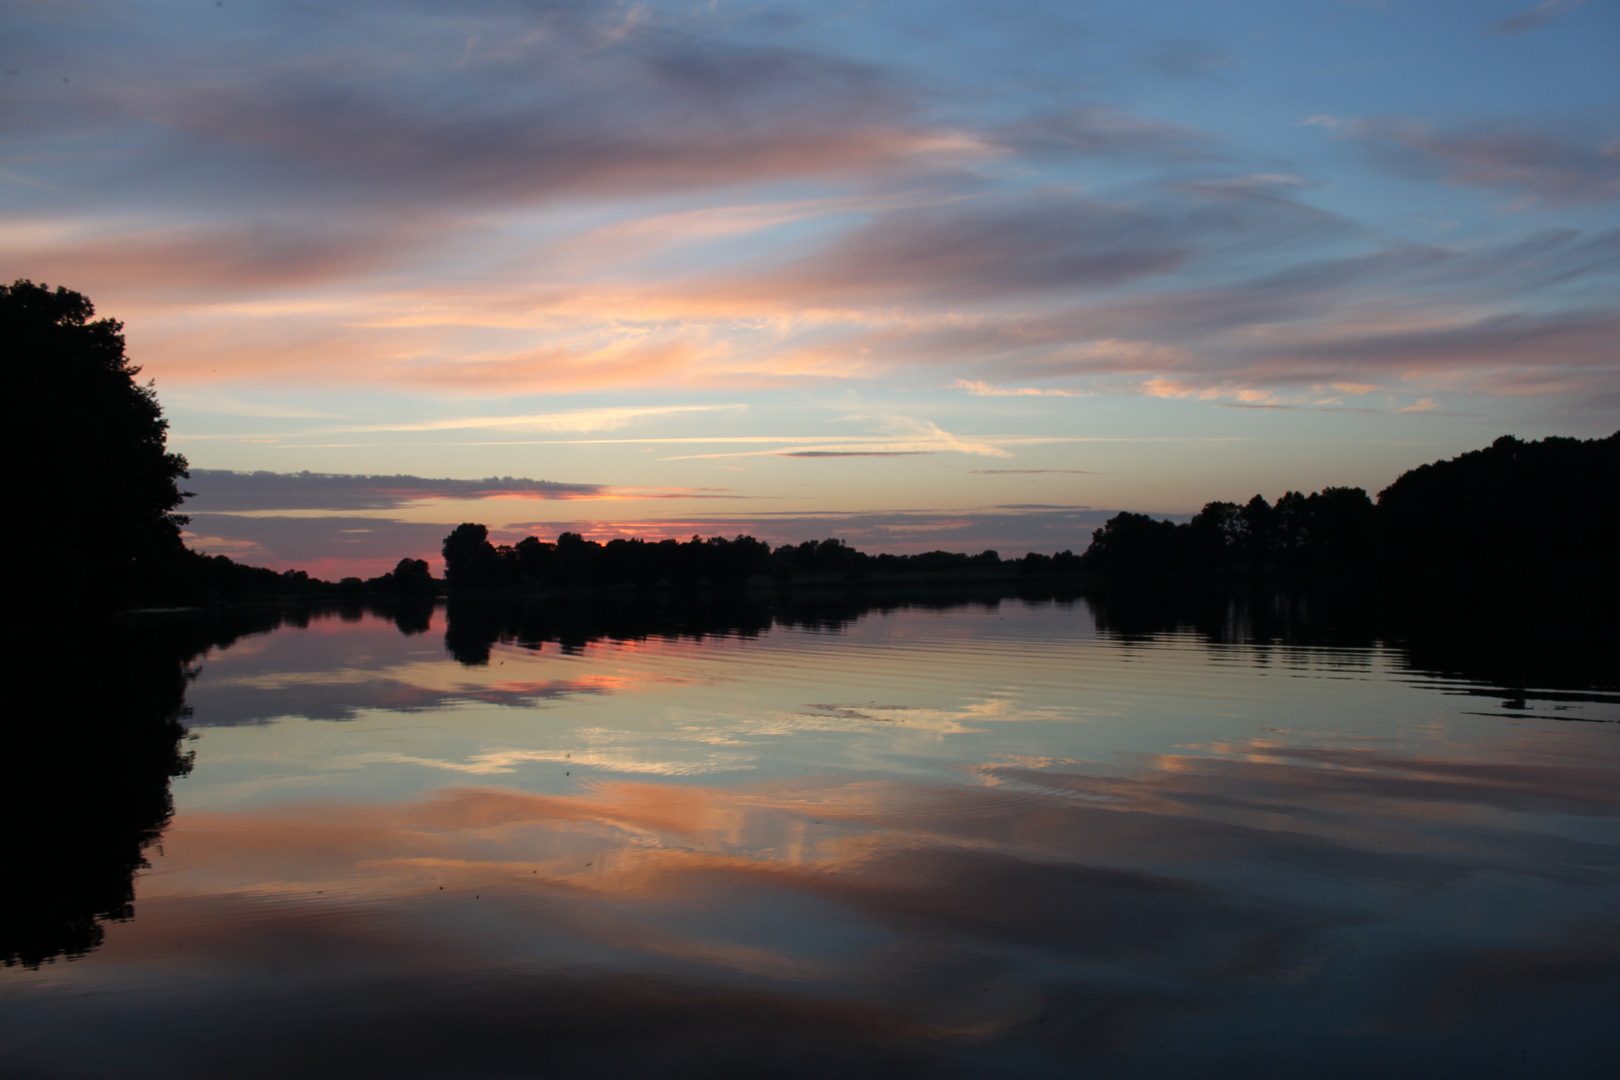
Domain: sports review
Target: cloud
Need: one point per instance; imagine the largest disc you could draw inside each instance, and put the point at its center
(1035, 247)
(260, 152)
(1579, 340)
(539, 104)
(985, 249)
(1558, 167)
(221, 490)
(337, 545)
(1095, 130)
(246, 515)
(849, 453)
(1540, 15)
(1395, 316)
(1033, 899)
(1569, 353)
(349, 699)
(911, 436)
(983, 389)
(1251, 183)
(494, 199)
(327, 547)
(259, 257)
(1187, 57)
(604, 419)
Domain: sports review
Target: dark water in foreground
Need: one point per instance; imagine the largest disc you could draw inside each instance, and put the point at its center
(1001, 838)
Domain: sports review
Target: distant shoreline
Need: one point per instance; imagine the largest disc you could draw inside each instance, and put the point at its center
(1596, 580)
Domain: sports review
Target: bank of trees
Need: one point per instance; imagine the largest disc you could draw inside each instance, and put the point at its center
(1535, 504)
(1553, 503)
(1335, 527)
(97, 471)
(99, 476)
(1514, 504)
(573, 562)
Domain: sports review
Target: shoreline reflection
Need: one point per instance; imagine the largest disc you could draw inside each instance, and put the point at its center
(1164, 843)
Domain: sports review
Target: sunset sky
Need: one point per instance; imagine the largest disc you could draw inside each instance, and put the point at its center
(920, 275)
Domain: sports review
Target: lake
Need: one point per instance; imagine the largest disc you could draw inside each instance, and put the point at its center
(930, 836)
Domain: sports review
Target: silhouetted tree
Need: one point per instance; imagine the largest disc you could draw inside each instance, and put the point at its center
(89, 788)
(1548, 503)
(1214, 534)
(575, 560)
(470, 561)
(411, 576)
(1552, 504)
(1133, 544)
(1340, 526)
(96, 476)
(1330, 529)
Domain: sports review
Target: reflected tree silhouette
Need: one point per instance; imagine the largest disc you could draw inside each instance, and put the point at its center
(1511, 637)
(88, 793)
(476, 625)
(98, 753)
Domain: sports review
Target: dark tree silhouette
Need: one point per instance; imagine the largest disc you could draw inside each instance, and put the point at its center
(97, 476)
(1515, 506)
(1552, 503)
(470, 562)
(1132, 544)
(86, 792)
(89, 792)
(411, 576)
(1327, 530)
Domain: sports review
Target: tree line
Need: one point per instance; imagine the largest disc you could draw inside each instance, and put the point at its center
(472, 562)
(99, 472)
(1536, 505)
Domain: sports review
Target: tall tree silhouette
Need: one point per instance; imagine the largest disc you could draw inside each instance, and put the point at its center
(87, 790)
(97, 478)
(1550, 503)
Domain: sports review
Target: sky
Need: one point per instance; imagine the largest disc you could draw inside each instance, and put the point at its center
(917, 275)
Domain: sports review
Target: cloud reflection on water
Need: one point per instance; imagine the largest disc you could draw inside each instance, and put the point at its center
(1127, 918)
(1426, 893)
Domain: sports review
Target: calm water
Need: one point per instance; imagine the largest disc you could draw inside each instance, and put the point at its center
(1021, 838)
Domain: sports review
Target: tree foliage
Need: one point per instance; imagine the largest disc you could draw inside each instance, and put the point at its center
(573, 562)
(98, 474)
(1543, 502)
(1549, 504)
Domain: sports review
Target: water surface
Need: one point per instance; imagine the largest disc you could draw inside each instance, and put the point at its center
(995, 838)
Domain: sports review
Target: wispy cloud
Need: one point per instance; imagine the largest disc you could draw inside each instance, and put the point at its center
(984, 389)
(848, 453)
(221, 490)
(256, 257)
(649, 106)
(604, 419)
(1560, 167)
(492, 200)
(1540, 15)
(229, 405)
(1188, 57)
(1096, 130)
